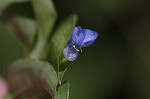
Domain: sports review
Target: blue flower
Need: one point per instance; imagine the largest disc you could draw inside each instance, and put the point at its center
(80, 38)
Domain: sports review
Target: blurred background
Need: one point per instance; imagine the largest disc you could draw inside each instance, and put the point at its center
(117, 65)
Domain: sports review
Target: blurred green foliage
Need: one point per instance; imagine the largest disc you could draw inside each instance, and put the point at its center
(32, 71)
(29, 73)
(10, 48)
(117, 65)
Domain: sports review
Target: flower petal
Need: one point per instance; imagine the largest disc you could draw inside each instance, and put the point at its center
(70, 54)
(73, 38)
(90, 37)
(78, 36)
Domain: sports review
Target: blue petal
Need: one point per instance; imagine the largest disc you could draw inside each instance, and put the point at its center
(70, 54)
(78, 36)
(73, 38)
(90, 37)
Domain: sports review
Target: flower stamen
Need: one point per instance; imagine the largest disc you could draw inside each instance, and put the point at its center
(76, 48)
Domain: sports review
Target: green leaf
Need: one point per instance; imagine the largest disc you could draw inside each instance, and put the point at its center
(25, 74)
(18, 16)
(63, 65)
(10, 48)
(45, 14)
(60, 39)
(63, 91)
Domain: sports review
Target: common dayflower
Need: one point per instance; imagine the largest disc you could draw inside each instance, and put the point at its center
(80, 38)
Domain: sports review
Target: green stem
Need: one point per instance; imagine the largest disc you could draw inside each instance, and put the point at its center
(37, 52)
